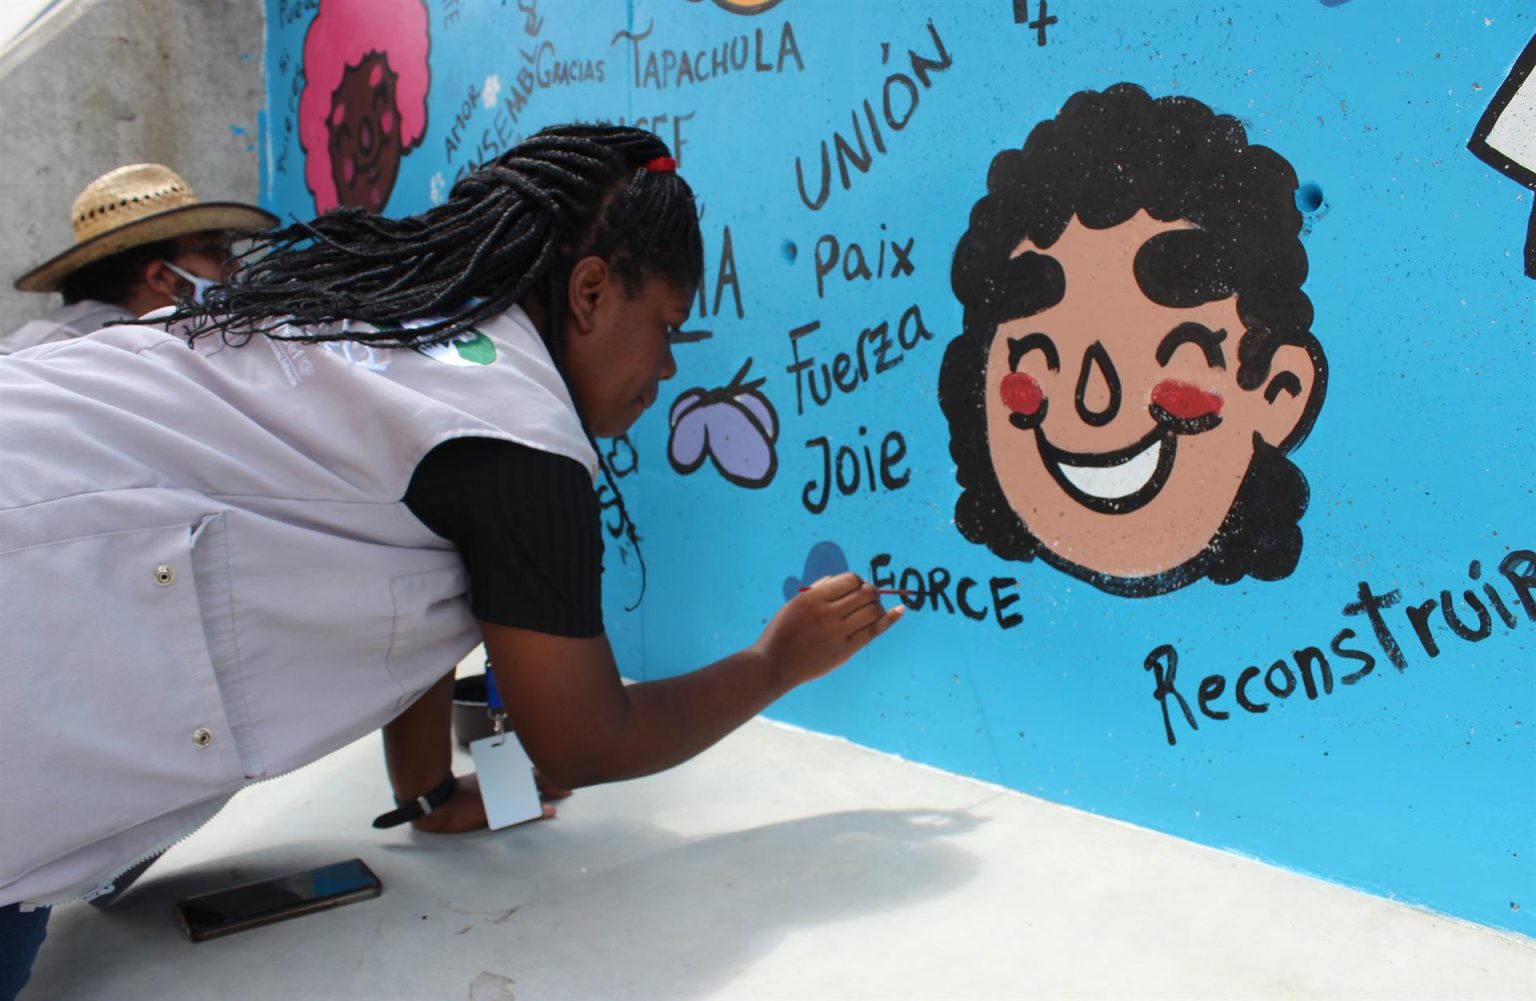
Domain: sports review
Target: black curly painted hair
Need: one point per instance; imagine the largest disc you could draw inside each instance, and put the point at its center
(1105, 157)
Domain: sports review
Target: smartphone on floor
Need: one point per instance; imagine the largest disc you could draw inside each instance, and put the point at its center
(251, 905)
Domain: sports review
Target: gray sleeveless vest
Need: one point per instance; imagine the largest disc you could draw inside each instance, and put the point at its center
(207, 576)
(62, 324)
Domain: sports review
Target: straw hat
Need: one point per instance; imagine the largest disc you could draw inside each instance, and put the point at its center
(131, 206)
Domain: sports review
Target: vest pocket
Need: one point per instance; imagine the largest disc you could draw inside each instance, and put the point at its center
(110, 712)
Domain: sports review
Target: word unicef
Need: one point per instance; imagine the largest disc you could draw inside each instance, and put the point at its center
(1429, 622)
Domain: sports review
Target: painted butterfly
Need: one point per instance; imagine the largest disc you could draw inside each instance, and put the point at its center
(734, 425)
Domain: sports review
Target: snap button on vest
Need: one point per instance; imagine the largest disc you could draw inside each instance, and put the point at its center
(202, 736)
(164, 575)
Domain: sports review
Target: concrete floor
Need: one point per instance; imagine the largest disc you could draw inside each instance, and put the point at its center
(780, 864)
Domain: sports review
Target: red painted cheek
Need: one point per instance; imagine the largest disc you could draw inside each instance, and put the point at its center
(1021, 394)
(1184, 401)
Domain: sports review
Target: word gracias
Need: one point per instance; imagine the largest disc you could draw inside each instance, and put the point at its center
(1311, 665)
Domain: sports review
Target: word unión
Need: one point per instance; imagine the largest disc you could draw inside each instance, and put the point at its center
(1310, 667)
(855, 261)
(848, 476)
(900, 97)
(849, 370)
(931, 589)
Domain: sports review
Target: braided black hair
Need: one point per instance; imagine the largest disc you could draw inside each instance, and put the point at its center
(510, 229)
(514, 226)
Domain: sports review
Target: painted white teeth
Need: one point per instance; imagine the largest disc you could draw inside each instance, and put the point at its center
(1114, 482)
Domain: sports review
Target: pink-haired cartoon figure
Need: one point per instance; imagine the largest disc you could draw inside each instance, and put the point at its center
(364, 104)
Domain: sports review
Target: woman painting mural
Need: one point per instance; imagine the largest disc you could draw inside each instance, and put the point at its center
(242, 538)
(364, 104)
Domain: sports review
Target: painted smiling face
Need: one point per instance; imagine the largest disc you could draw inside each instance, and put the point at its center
(364, 130)
(1115, 423)
(1136, 361)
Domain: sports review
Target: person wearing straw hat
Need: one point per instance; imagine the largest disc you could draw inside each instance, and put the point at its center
(143, 241)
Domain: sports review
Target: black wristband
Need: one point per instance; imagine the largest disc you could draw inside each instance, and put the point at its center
(410, 809)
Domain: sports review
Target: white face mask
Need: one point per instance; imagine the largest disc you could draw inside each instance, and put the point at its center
(200, 285)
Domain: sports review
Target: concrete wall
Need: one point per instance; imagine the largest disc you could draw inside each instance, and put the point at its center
(1336, 678)
(99, 83)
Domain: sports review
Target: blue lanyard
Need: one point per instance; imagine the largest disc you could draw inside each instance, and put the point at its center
(492, 696)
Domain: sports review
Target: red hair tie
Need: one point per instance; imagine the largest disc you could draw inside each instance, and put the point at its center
(662, 165)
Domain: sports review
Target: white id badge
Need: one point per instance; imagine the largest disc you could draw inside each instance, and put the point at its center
(506, 781)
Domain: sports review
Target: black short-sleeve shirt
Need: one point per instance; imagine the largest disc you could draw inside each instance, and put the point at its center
(526, 524)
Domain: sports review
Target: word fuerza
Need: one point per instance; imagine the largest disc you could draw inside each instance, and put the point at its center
(1428, 624)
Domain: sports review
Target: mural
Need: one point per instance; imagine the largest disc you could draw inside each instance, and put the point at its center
(1139, 264)
(1506, 136)
(1172, 370)
(734, 426)
(364, 101)
(825, 559)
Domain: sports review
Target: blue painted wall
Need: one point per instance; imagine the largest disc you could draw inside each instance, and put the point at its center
(1413, 781)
